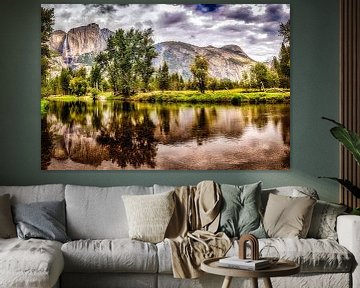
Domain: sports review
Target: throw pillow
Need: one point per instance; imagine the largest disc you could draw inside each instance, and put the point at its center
(149, 215)
(287, 217)
(240, 213)
(7, 227)
(323, 222)
(43, 220)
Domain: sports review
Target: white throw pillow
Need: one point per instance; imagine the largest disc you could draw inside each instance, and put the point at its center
(149, 215)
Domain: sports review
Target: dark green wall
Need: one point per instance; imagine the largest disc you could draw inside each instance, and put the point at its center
(315, 62)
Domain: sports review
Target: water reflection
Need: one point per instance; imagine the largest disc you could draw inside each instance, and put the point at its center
(114, 135)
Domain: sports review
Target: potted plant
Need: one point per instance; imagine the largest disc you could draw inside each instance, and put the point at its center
(351, 141)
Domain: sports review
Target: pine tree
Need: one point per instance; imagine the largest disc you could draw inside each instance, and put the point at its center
(164, 77)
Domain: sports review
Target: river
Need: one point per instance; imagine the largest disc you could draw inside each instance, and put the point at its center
(116, 135)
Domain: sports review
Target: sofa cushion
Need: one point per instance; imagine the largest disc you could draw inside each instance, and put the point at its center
(98, 213)
(7, 226)
(149, 215)
(43, 220)
(323, 222)
(291, 191)
(313, 255)
(30, 263)
(287, 216)
(240, 210)
(36, 193)
(117, 255)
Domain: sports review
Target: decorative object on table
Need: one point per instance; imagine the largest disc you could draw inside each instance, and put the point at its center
(247, 264)
(241, 261)
(351, 142)
(254, 246)
(269, 253)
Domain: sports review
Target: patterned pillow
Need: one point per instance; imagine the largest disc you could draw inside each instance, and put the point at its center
(323, 222)
(149, 215)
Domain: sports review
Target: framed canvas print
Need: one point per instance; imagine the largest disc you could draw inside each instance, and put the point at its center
(165, 86)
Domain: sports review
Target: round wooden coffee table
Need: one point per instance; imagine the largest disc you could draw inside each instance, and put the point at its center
(281, 268)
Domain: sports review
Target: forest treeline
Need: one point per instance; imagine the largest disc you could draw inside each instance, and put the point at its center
(125, 68)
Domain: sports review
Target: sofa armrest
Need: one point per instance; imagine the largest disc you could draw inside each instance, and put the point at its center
(348, 230)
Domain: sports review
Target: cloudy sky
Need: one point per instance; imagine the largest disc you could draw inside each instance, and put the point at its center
(252, 27)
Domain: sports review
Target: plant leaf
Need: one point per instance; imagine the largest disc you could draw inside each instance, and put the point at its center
(348, 185)
(348, 138)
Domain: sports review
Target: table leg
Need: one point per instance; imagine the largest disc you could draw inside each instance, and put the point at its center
(227, 282)
(254, 282)
(267, 283)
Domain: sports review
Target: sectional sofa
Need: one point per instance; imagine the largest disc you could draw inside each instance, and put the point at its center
(100, 253)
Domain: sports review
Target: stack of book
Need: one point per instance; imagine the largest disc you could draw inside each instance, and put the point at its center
(248, 264)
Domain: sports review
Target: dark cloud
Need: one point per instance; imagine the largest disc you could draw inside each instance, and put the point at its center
(104, 8)
(207, 8)
(170, 19)
(271, 29)
(231, 28)
(274, 13)
(65, 14)
(242, 13)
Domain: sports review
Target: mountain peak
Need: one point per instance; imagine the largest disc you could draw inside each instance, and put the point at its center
(232, 48)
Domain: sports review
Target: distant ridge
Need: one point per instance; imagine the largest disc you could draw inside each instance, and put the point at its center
(79, 46)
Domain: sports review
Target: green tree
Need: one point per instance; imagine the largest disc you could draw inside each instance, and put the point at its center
(78, 86)
(284, 31)
(164, 77)
(284, 55)
(47, 22)
(95, 76)
(262, 75)
(213, 84)
(127, 60)
(65, 77)
(199, 68)
(81, 72)
(284, 65)
(245, 80)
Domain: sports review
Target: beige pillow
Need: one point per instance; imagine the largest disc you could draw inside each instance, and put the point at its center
(149, 215)
(288, 217)
(7, 226)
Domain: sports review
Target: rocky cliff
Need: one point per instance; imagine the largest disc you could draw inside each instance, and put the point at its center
(225, 62)
(80, 45)
(79, 41)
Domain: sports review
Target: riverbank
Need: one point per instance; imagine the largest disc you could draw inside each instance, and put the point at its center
(234, 96)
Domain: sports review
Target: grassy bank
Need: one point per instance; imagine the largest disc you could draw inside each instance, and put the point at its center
(234, 96)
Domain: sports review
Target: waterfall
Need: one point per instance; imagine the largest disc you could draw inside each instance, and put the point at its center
(66, 51)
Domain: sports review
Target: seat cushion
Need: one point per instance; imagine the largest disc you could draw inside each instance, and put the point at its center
(30, 263)
(98, 213)
(117, 255)
(313, 255)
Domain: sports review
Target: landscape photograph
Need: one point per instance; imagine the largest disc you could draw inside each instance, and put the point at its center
(165, 86)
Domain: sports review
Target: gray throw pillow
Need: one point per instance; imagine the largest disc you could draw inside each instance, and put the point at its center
(323, 222)
(240, 213)
(43, 220)
(7, 226)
